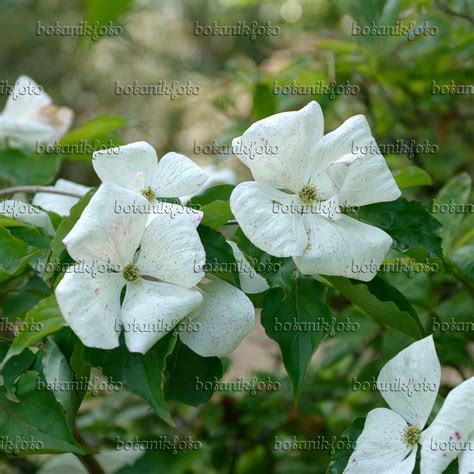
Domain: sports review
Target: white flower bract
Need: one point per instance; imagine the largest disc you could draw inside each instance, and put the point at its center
(293, 208)
(156, 263)
(30, 117)
(136, 167)
(390, 438)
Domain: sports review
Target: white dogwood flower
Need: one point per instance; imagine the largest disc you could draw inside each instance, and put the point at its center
(159, 264)
(58, 203)
(409, 383)
(30, 117)
(136, 167)
(293, 208)
(166, 250)
(451, 434)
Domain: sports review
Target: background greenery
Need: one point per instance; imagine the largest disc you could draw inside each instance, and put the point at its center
(236, 77)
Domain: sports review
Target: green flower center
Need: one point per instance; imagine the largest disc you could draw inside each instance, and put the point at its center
(411, 435)
(131, 272)
(149, 194)
(308, 194)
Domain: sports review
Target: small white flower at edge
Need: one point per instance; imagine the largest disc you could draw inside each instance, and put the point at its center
(136, 167)
(388, 443)
(293, 208)
(30, 117)
(168, 250)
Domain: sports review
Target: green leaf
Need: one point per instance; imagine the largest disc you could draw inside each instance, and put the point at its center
(463, 259)
(165, 462)
(190, 374)
(59, 376)
(341, 456)
(220, 192)
(220, 260)
(17, 302)
(286, 319)
(13, 369)
(37, 420)
(412, 176)
(142, 374)
(408, 222)
(6, 221)
(216, 214)
(103, 12)
(455, 192)
(20, 167)
(45, 318)
(14, 254)
(278, 272)
(264, 101)
(95, 128)
(383, 302)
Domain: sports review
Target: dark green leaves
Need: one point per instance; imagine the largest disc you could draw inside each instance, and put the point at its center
(14, 254)
(349, 437)
(59, 375)
(214, 202)
(19, 167)
(298, 322)
(408, 222)
(191, 375)
(36, 424)
(141, 374)
(220, 260)
(279, 272)
(45, 318)
(383, 302)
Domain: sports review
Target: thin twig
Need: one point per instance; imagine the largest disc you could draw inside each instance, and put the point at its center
(88, 460)
(38, 189)
(446, 9)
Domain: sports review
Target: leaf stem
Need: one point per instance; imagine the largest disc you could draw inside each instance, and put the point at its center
(37, 189)
(89, 461)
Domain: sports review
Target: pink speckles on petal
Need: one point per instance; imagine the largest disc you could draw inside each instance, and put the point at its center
(97, 291)
(457, 435)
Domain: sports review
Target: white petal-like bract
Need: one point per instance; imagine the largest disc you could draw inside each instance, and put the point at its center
(416, 368)
(379, 448)
(129, 166)
(451, 432)
(262, 214)
(58, 203)
(221, 322)
(152, 309)
(104, 232)
(91, 306)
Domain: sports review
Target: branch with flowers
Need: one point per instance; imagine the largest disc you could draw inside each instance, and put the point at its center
(159, 264)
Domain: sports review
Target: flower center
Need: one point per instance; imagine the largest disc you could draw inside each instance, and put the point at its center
(131, 272)
(50, 114)
(411, 435)
(149, 194)
(308, 194)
